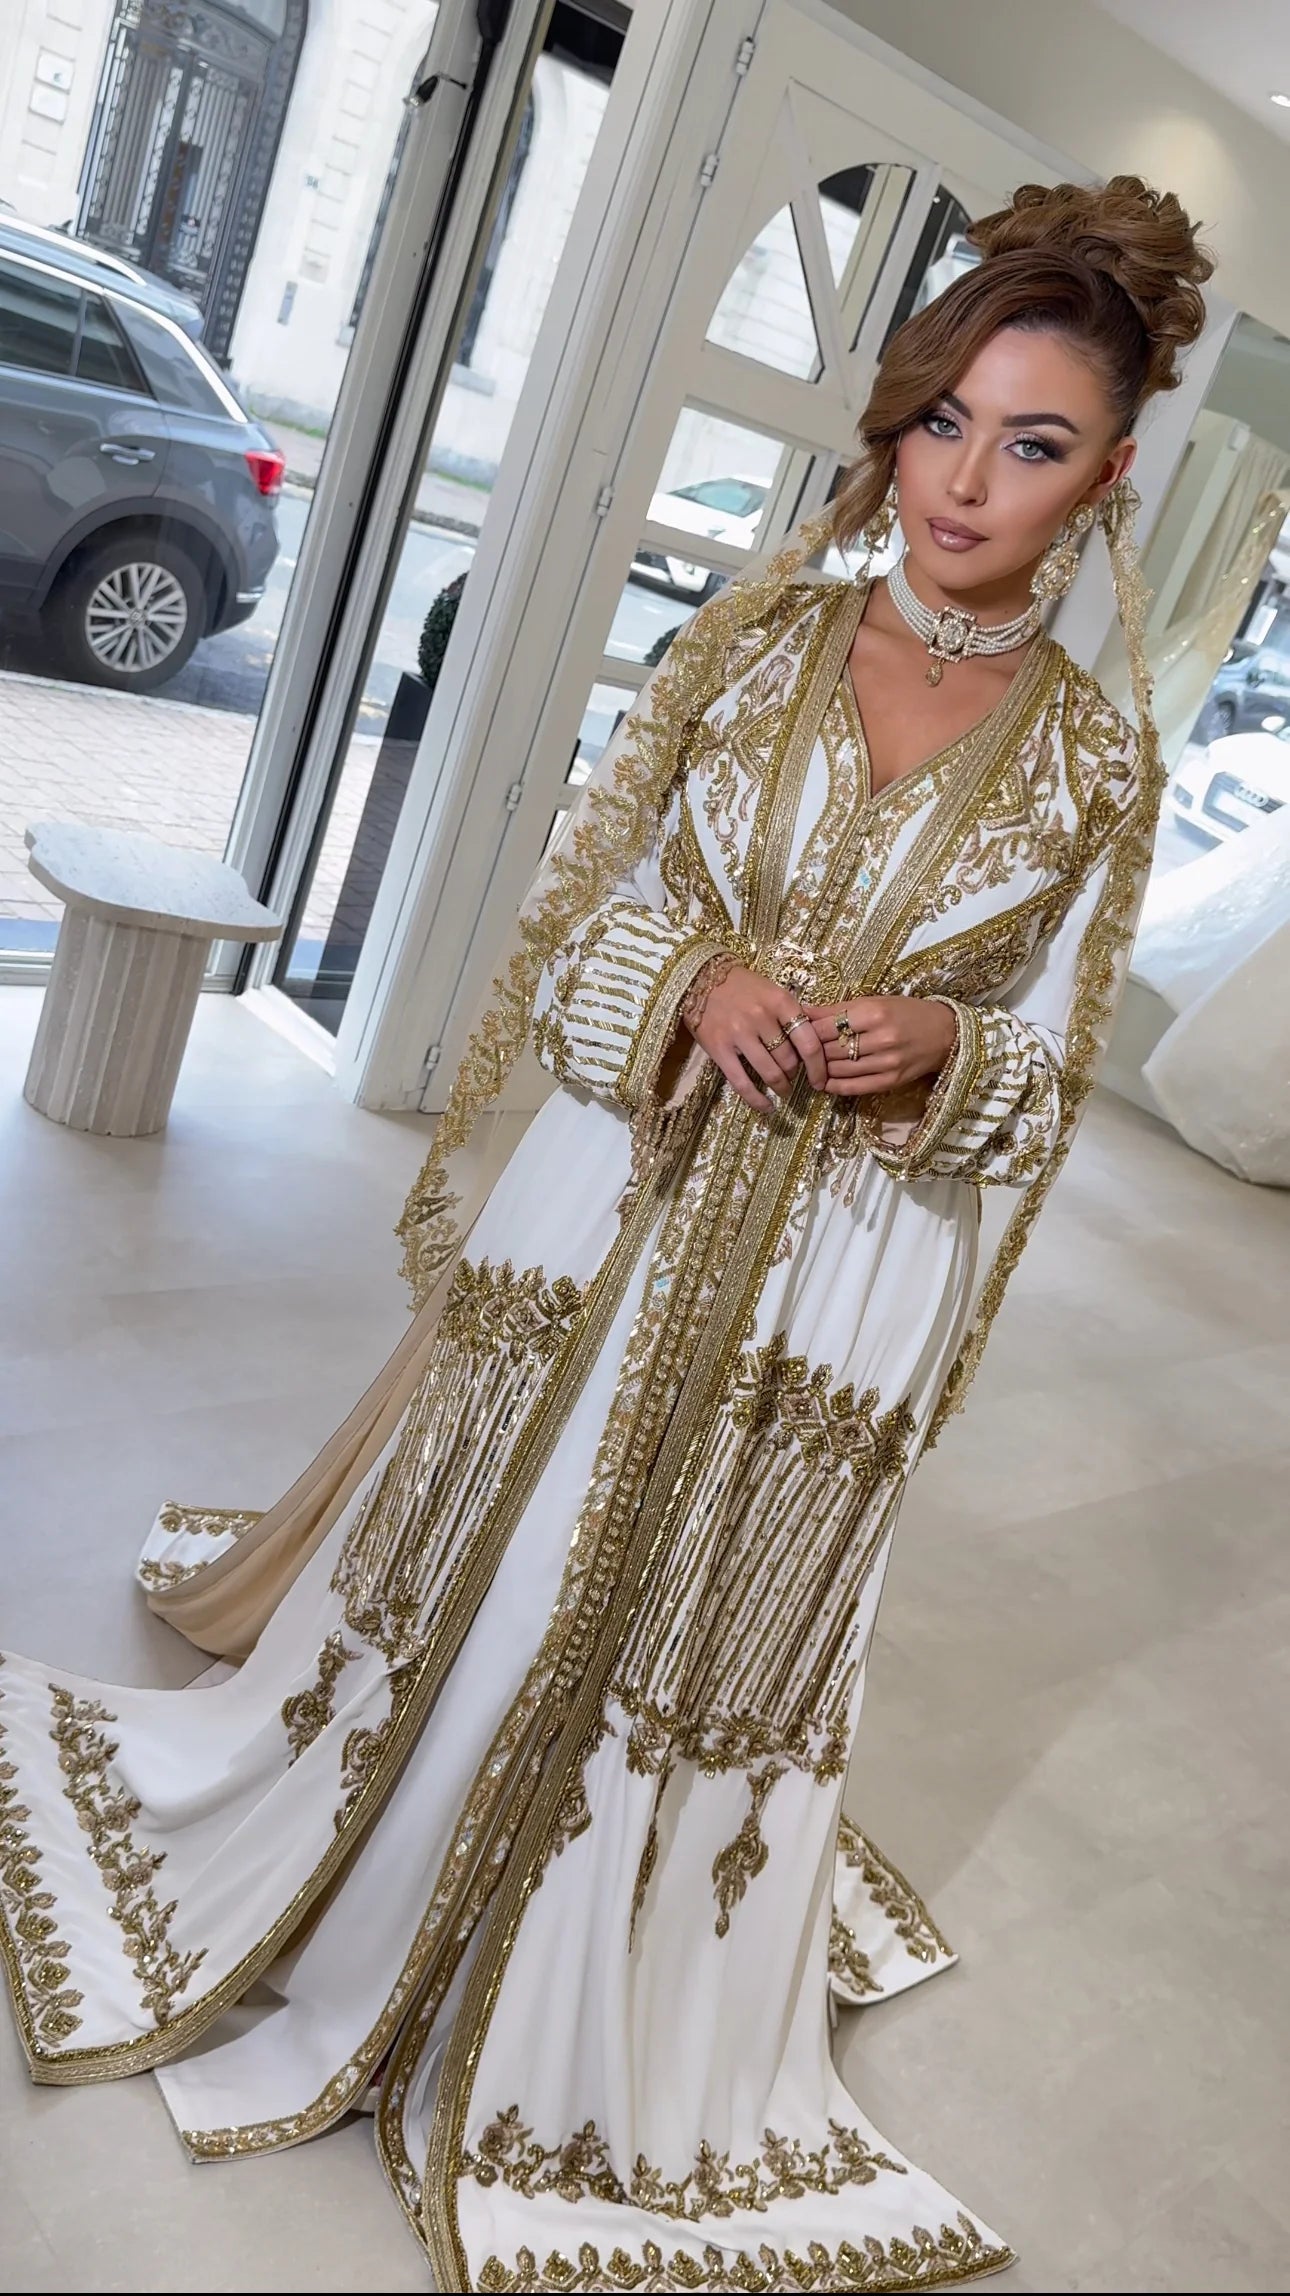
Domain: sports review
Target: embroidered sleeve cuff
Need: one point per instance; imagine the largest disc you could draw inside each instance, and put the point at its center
(608, 1006)
(657, 1028)
(952, 1095)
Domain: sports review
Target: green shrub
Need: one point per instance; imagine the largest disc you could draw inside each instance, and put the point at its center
(437, 629)
(661, 644)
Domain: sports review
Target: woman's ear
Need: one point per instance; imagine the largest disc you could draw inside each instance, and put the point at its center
(1118, 464)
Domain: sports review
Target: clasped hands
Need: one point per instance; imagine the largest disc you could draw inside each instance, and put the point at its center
(752, 1028)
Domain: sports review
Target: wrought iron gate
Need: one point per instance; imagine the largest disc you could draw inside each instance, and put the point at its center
(189, 114)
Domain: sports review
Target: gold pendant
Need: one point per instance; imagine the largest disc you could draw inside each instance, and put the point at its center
(935, 673)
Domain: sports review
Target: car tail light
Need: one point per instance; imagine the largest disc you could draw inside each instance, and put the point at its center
(267, 470)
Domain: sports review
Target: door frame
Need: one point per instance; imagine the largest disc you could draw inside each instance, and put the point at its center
(453, 170)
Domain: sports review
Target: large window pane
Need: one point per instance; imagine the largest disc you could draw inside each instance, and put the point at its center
(170, 368)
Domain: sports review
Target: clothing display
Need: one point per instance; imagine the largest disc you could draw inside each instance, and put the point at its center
(521, 1784)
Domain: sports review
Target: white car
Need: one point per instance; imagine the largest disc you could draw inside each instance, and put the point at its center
(1237, 781)
(721, 510)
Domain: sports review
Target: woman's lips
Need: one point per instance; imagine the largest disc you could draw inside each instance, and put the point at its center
(952, 537)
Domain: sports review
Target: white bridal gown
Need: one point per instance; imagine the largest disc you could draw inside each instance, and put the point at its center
(529, 1791)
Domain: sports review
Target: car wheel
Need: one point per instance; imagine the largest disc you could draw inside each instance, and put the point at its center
(129, 614)
(1219, 720)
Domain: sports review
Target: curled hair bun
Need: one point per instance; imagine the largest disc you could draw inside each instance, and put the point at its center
(1140, 239)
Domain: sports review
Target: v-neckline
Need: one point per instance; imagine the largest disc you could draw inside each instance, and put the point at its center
(1035, 653)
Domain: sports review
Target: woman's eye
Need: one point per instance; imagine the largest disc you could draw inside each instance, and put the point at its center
(1034, 450)
(942, 426)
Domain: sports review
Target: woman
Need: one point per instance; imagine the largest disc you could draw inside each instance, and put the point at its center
(526, 1792)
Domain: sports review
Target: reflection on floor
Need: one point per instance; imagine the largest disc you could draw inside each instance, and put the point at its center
(1075, 1736)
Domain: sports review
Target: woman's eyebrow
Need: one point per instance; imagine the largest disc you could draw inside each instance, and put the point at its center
(1011, 422)
(1059, 422)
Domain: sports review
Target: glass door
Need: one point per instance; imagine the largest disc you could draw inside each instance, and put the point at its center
(409, 621)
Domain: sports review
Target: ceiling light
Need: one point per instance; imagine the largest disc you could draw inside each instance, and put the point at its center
(1277, 98)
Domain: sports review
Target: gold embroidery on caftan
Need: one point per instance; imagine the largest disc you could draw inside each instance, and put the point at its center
(925, 2260)
(743, 1651)
(107, 1813)
(580, 2168)
(29, 1932)
(499, 1332)
(307, 1713)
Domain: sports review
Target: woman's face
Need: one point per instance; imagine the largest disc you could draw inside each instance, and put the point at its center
(988, 476)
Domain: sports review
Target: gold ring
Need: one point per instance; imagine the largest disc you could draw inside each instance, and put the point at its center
(796, 1023)
(773, 1042)
(844, 1026)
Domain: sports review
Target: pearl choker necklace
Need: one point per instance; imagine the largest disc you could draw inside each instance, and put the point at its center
(951, 634)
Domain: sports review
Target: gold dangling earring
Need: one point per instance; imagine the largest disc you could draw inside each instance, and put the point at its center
(1059, 565)
(877, 533)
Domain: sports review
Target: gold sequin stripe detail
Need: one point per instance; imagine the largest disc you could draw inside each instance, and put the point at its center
(893, 1895)
(770, 841)
(658, 1023)
(509, 1774)
(35, 1955)
(1097, 978)
(756, 1611)
(579, 2168)
(925, 2260)
(533, 1448)
(498, 1335)
(790, 1142)
(836, 814)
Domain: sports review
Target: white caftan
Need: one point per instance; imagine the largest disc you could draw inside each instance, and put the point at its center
(529, 1790)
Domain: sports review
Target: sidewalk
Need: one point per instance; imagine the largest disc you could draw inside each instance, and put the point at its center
(135, 761)
(441, 501)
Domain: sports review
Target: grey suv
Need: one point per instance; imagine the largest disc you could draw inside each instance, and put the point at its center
(136, 493)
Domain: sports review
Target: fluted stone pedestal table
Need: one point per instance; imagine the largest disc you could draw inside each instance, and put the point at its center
(128, 965)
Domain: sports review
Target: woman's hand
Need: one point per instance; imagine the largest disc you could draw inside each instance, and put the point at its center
(890, 1042)
(748, 1018)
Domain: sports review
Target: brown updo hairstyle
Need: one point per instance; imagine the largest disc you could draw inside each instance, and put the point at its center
(1116, 269)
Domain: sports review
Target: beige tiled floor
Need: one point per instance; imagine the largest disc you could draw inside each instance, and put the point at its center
(1075, 1742)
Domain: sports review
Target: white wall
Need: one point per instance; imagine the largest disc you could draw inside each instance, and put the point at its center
(356, 66)
(1077, 80)
(44, 128)
(1253, 382)
(355, 71)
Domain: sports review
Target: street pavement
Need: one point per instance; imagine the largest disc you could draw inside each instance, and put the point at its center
(130, 761)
